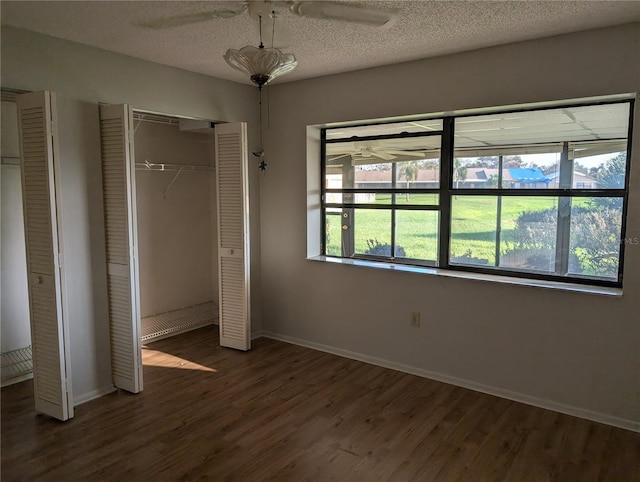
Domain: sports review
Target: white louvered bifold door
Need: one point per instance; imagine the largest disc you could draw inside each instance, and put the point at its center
(118, 183)
(49, 330)
(233, 235)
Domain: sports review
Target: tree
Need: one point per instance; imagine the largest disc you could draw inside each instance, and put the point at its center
(611, 175)
(581, 168)
(512, 161)
(483, 161)
(409, 170)
(492, 181)
(459, 172)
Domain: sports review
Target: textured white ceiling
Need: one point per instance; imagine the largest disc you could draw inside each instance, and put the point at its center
(424, 29)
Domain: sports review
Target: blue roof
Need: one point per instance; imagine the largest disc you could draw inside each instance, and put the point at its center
(528, 174)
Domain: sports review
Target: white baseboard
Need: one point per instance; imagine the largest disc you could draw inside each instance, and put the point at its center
(460, 382)
(92, 395)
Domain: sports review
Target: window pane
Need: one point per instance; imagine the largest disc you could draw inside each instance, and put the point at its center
(333, 234)
(372, 232)
(473, 230)
(359, 198)
(417, 234)
(528, 230)
(373, 176)
(539, 127)
(531, 144)
(333, 179)
(370, 164)
(422, 174)
(600, 171)
(530, 171)
(425, 125)
(417, 162)
(595, 237)
(475, 172)
(417, 198)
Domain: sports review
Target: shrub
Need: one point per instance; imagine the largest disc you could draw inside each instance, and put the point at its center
(376, 248)
(595, 243)
(595, 239)
(536, 229)
(468, 258)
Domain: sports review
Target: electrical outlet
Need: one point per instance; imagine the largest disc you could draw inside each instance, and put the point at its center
(415, 318)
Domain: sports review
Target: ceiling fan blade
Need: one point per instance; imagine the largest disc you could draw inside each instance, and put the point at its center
(345, 12)
(226, 10)
(342, 148)
(337, 160)
(417, 154)
(383, 155)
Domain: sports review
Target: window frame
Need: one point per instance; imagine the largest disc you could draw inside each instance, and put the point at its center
(446, 191)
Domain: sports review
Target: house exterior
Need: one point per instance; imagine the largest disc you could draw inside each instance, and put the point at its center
(580, 181)
(366, 179)
(513, 178)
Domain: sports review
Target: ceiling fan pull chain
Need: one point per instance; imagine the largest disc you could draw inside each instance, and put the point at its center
(273, 26)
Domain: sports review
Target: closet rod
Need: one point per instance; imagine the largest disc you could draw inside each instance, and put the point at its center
(151, 166)
(156, 119)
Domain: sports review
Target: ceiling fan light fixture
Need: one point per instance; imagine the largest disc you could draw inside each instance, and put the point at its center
(261, 64)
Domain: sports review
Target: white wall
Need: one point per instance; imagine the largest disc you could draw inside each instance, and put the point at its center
(175, 237)
(556, 348)
(83, 76)
(14, 297)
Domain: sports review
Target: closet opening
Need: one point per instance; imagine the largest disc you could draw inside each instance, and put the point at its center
(16, 355)
(175, 207)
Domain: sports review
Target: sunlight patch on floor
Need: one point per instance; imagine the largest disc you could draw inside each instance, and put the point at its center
(156, 358)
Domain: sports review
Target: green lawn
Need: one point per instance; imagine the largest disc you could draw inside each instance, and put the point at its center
(473, 225)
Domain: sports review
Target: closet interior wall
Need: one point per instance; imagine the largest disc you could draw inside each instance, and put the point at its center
(14, 297)
(177, 239)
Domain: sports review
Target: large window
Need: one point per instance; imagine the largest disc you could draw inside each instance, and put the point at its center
(536, 194)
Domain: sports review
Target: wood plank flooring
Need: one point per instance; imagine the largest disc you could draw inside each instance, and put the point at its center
(283, 412)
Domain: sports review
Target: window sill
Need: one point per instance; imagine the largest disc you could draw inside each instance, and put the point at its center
(558, 285)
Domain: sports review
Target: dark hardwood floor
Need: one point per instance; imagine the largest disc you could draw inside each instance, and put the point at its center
(282, 412)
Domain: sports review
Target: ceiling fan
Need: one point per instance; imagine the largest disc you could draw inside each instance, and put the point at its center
(370, 152)
(326, 10)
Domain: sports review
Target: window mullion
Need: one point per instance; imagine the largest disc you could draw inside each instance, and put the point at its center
(564, 213)
(446, 173)
(347, 221)
(393, 209)
(323, 193)
(499, 213)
